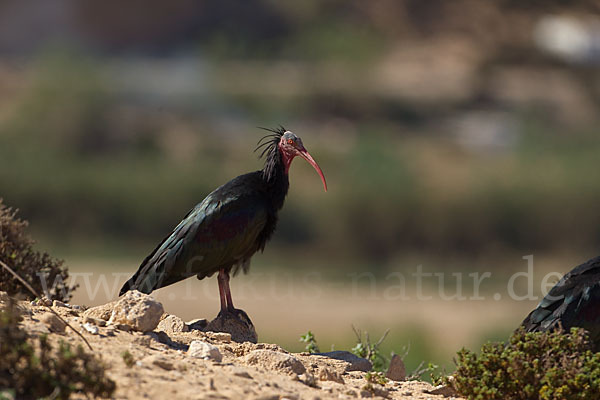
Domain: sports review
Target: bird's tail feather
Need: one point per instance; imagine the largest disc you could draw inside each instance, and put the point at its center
(145, 280)
(145, 286)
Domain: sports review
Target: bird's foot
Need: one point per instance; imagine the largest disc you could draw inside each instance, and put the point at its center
(236, 322)
(236, 313)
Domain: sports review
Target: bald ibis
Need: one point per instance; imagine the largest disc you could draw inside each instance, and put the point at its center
(573, 302)
(222, 232)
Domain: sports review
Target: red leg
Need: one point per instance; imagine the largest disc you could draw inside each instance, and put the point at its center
(224, 278)
(230, 306)
(223, 288)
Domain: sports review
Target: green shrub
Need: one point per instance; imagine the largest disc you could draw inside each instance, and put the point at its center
(539, 365)
(30, 370)
(44, 273)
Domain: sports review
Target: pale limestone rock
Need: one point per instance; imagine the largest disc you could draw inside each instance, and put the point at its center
(137, 310)
(93, 329)
(207, 351)
(172, 324)
(103, 311)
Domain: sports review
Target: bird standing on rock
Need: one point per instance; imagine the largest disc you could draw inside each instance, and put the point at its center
(232, 223)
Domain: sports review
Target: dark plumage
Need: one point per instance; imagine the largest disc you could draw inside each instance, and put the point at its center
(573, 302)
(232, 223)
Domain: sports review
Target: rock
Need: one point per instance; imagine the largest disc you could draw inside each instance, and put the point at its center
(355, 363)
(138, 310)
(197, 324)
(275, 361)
(95, 321)
(100, 312)
(58, 303)
(238, 325)
(326, 374)
(396, 371)
(54, 323)
(207, 351)
(93, 329)
(172, 324)
(219, 336)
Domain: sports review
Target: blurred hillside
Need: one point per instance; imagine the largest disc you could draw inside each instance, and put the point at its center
(461, 129)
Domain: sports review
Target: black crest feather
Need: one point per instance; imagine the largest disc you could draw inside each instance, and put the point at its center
(268, 145)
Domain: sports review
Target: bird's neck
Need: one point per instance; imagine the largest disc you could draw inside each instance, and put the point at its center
(275, 176)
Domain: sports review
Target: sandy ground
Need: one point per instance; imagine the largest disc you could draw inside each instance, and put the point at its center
(163, 369)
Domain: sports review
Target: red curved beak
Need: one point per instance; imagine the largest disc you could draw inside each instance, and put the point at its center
(306, 155)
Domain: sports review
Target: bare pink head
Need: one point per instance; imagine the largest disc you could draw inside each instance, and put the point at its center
(291, 146)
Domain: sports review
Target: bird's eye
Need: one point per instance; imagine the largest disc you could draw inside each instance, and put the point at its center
(290, 141)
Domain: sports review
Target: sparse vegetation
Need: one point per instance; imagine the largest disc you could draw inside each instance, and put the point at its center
(311, 342)
(540, 365)
(375, 383)
(45, 274)
(422, 369)
(32, 368)
(376, 377)
(372, 352)
(365, 349)
(128, 358)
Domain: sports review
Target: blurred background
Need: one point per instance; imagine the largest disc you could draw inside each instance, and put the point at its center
(459, 136)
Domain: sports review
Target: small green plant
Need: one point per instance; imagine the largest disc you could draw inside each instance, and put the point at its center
(539, 365)
(437, 376)
(376, 377)
(365, 349)
(128, 359)
(375, 383)
(311, 342)
(422, 368)
(34, 369)
(45, 274)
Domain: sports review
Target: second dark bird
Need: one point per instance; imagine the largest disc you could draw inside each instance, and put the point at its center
(573, 302)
